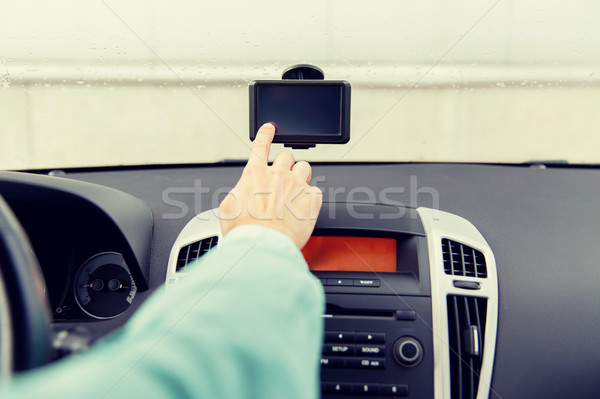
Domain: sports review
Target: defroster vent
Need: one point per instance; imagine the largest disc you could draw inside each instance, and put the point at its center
(193, 251)
(462, 260)
(466, 329)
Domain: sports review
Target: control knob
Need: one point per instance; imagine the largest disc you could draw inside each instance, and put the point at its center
(408, 351)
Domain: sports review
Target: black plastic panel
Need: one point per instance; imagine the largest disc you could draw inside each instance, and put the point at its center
(419, 378)
(542, 224)
(49, 203)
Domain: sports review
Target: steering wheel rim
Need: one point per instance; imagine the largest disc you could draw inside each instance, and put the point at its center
(6, 339)
(25, 301)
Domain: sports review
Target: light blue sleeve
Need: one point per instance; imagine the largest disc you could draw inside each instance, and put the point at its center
(245, 322)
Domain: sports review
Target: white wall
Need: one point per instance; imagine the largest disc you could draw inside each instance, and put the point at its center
(321, 31)
(75, 125)
(129, 82)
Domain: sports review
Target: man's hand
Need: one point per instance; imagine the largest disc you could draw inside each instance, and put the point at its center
(277, 196)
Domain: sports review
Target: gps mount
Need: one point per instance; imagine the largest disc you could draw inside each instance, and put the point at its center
(303, 71)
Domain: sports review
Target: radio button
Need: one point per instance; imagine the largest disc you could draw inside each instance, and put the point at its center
(337, 349)
(376, 338)
(365, 389)
(332, 362)
(365, 363)
(366, 283)
(393, 389)
(340, 282)
(406, 314)
(370, 350)
(339, 336)
(333, 387)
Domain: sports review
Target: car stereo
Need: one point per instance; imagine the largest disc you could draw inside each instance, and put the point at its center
(378, 338)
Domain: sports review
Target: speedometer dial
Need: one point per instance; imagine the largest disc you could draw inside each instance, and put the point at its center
(104, 287)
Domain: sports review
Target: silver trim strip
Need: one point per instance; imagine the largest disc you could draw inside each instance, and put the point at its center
(203, 225)
(439, 225)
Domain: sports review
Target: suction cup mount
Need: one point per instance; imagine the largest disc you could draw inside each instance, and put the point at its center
(303, 71)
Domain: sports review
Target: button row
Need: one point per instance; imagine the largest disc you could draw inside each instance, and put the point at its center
(365, 388)
(352, 363)
(351, 336)
(350, 350)
(350, 282)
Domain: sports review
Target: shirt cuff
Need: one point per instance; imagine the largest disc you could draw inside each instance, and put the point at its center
(275, 240)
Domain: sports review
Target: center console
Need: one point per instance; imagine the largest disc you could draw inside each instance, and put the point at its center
(411, 299)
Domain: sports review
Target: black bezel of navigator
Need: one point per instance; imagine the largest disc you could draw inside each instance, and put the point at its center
(309, 139)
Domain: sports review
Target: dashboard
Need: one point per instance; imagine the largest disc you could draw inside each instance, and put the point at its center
(511, 251)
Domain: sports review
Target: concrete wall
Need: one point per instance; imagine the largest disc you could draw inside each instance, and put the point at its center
(73, 125)
(147, 81)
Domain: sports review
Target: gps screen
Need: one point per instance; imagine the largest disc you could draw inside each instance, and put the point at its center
(301, 109)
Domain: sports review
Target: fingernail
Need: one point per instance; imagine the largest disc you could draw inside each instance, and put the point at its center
(275, 126)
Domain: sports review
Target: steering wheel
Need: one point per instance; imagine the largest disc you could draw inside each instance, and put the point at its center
(24, 309)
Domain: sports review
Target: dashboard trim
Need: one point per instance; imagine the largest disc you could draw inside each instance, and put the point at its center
(439, 225)
(201, 226)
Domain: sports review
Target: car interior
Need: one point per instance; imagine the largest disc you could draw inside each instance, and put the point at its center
(457, 244)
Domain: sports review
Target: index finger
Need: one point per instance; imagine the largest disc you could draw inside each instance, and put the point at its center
(259, 152)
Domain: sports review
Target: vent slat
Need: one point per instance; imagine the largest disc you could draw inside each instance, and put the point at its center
(480, 323)
(193, 251)
(455, 342)
(462, 260)
(466, 328)
(468, 382)
(480, 266)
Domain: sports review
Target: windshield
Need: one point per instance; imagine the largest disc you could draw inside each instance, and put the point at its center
(94, 83)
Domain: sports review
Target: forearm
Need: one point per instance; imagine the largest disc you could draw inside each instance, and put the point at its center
(246, 322)
(252, 314)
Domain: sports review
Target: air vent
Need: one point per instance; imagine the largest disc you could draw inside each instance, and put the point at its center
(462, 260)
(465, 316)
(193, 251)
(466, 329)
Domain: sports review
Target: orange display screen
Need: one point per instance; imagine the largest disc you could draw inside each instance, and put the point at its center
(350, 254)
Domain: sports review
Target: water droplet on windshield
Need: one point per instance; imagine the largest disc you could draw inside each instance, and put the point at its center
(4, 75)
(4, 80)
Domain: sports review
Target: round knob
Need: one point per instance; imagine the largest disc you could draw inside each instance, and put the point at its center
(408, 351)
